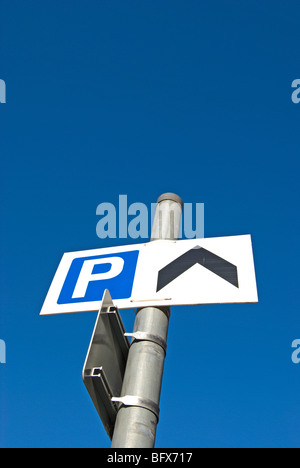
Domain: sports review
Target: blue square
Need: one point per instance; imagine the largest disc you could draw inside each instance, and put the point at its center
(119, 286)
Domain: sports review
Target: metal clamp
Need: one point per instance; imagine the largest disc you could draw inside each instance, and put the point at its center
(144, 336)
(129, 400)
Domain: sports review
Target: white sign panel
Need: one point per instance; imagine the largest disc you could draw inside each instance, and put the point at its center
(159, 273)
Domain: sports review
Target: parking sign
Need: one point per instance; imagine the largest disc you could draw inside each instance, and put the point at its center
(160, 273)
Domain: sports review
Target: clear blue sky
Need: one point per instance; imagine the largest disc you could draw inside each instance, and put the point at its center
(140, 98)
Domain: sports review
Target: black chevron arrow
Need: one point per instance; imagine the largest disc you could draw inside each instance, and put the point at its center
(204, 257)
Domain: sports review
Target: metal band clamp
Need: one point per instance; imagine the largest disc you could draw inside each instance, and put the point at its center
(130, 400)
(144, 336)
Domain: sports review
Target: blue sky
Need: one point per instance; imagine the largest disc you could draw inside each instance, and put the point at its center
(141, 98)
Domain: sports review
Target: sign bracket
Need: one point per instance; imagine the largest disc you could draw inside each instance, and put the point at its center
(105, 362)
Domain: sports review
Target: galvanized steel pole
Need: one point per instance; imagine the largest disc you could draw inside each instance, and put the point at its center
(137, 417)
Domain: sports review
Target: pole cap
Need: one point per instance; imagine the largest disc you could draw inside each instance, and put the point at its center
(170, 196)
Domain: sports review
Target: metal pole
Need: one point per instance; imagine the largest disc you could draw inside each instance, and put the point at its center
(137, 417)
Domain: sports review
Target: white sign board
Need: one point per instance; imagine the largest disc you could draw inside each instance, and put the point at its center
(159, 273)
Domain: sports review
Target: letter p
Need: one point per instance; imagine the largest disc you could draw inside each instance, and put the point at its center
(86, 274)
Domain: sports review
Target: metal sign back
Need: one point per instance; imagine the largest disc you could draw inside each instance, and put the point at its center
(105, 362)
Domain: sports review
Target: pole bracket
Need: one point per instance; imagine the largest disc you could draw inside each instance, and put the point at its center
(144, 336)
(130, 400)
